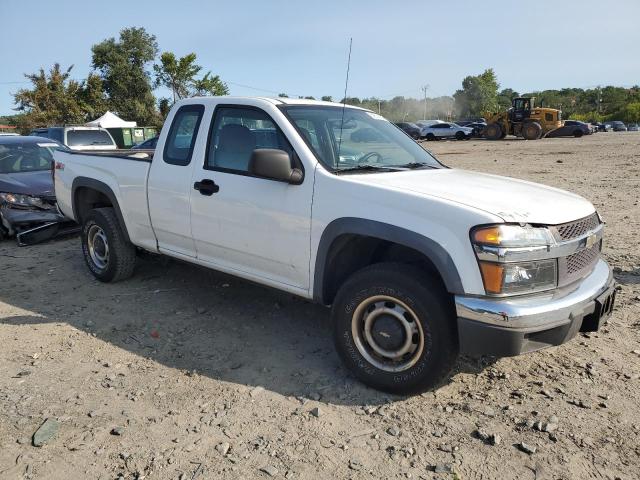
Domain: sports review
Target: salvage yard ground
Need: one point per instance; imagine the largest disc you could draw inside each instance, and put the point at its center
(185, 373)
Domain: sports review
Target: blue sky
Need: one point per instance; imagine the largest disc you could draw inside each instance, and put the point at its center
(301, 47)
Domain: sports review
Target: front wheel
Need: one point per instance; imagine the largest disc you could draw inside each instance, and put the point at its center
(578, 133)
(394, 327)
(460, 136)
(107, 253)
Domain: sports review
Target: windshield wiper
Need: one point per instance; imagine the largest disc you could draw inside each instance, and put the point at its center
(367, 167)
(414, 165)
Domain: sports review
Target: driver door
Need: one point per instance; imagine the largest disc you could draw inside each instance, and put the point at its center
(254, 227)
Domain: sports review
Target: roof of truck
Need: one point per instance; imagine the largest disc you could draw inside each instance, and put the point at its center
(281, 100)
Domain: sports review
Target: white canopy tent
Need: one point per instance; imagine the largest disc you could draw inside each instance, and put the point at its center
(110, 120)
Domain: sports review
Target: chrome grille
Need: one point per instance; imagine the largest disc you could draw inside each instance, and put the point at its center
(576, 266)
(571, 230)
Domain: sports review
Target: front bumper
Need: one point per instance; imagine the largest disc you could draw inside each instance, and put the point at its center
(506, 327)
(34, 225)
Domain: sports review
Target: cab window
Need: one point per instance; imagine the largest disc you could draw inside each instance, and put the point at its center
(182, 135)
(236, 133)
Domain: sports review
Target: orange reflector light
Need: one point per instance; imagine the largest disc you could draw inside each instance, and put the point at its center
(489, 236)
(492, 276)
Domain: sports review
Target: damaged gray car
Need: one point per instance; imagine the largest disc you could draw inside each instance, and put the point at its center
(28, 208)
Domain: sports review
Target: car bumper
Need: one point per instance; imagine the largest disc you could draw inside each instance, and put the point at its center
(506, 327)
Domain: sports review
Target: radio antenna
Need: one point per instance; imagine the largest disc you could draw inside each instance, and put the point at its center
(344, 100)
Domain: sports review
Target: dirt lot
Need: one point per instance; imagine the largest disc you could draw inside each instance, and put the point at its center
(185, 373)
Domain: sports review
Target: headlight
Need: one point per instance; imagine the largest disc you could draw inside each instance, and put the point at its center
(521, 277)
(512, 236)
(501, 277)
(22, 200)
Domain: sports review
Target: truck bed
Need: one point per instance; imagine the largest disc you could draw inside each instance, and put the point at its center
(121, 174)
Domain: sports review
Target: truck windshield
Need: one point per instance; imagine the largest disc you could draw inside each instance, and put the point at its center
(357, 139)
(88, 137)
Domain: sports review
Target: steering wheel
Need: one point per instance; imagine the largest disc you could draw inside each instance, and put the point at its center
(364, 158)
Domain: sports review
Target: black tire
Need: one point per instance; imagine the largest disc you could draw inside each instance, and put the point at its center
(493, 131)
(531, 131)
(460, 136)
(430, 137)
(578, 133)
(107, 253)
(428, 310)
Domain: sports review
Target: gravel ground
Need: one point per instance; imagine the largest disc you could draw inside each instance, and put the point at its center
(184, 373)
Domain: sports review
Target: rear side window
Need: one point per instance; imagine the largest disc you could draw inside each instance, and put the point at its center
(178, 148)
(87, 137)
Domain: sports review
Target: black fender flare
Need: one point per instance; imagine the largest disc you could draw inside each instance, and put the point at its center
(93, 184)
(438, 256)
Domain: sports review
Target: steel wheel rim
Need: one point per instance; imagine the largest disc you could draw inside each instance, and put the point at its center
(381, 307)
(98, 247)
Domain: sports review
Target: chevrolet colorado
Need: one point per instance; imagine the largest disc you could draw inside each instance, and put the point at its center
(419, 262)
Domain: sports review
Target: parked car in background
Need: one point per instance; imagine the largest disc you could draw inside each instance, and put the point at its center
(424, 124)
(633, 127)
(618, 126)
(149, 144)
(410, 129)
(27, 198)
(477, 128)
(571, 128)
(78, 137)
(447, 130)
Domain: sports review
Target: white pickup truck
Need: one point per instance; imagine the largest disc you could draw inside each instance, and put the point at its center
(419, 262)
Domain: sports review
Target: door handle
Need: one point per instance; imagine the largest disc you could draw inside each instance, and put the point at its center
(206, 187)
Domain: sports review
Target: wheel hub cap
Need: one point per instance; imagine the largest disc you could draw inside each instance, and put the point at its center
(98, 246)
(387, 333)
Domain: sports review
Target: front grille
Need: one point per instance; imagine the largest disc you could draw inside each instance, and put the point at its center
(576, 266)
(577, 228)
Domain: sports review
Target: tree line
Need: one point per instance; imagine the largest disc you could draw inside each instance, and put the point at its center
(126, 70)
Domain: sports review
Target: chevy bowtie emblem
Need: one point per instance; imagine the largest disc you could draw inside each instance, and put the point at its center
(591, 240)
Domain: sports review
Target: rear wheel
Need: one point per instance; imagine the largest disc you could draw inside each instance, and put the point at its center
(107, 253)
(532, 131)
(493, 132)
(395, 328)
(431, 137)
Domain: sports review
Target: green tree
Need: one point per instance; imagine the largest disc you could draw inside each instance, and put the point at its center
(209, 85)
(479, 94)
(283, 95)
(179, 75)
(122, 64)
(505, 98)
(164, 105)
(54, 98)
(327, 98)
(92, 97)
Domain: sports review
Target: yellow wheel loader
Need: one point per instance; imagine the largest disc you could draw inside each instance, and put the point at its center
(523, 119)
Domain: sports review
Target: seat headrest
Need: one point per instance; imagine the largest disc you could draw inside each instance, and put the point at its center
(236, 138)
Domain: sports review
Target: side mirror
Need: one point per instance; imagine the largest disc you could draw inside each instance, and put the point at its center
(274, 164)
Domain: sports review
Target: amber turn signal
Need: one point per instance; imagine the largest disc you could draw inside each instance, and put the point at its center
(492, 276)
(490, 236)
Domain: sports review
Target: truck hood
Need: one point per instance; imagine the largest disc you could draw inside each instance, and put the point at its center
(511, 199)
(38, 183)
